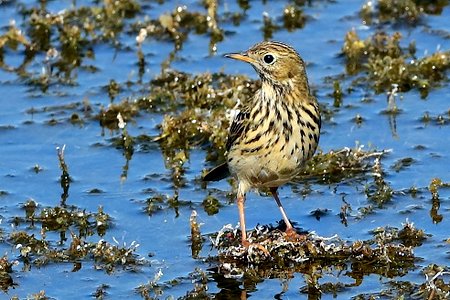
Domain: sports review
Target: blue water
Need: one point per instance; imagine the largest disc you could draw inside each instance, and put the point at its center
(27, 140)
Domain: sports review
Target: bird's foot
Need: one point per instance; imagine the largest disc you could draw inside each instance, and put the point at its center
(293, 236)
(249, 245)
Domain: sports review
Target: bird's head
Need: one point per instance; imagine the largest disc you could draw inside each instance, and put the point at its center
(274, 62)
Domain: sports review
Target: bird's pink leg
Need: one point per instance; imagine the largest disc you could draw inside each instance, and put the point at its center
(290, 231)
(245, 242)
(280, 206)
(240, 204)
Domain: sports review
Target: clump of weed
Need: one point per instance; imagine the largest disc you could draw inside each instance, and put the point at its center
(338, 165)
(6, 280)
(400, 11)
(272, 253)
(386, 63)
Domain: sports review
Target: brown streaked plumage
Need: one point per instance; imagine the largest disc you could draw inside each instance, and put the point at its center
(276, 131)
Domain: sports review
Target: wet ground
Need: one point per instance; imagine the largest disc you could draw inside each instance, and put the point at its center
(99, 209)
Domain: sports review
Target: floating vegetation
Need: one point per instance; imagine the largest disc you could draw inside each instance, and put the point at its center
(6, 280)
(62, 218)
(439, 120)
(387, 63)
(11, 39)
(176, 26)
(50, 51)
(337, 94)
(66, 39)
(396, 11)
(402, 164)
(435, 185)
(271, 254)
(211, 205)
(41, 295)
(336, 166)
(154, 204)
(436, 286)
(196, 236)
(107, 256)
(379, 191)
(293, 17)
(269, 27)
(65, 177)
(200, 119)
(153, 289)
(159, 202)
(108, 117)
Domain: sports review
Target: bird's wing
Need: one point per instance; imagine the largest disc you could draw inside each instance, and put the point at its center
(238, 125)
(218, 173)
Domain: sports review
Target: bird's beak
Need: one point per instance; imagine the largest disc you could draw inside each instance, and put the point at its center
(240, 56)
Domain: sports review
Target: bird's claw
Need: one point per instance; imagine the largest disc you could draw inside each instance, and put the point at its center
(293, 236)
(249, 245)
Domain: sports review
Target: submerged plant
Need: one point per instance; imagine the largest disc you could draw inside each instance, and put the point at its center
(338, 165)
(387, 63)
(380, 255)
(400, 11)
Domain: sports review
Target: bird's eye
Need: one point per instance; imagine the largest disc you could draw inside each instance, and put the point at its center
(268, 59)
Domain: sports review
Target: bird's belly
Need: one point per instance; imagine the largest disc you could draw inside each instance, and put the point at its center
(266, 168)
(273, 155)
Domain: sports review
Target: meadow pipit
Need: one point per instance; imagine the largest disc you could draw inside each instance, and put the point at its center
(276, 131)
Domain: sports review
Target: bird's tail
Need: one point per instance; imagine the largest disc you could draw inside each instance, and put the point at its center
(218, 173)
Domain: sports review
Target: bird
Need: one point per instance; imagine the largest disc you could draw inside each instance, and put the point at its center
(274, 132)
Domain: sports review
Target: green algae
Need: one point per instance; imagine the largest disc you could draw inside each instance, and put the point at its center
(379, 191)
(6, 281)
(196, 109)
(338, 165)
(272, 255)
(382, 255)
(433, 188)
(65, 38)
(105, 255)
(101, 292)
(63, 219)
(386, 63)
(211, 205)
(293, 17)
(108, 116)
(435, 286)
(196, 236)
(409, 12)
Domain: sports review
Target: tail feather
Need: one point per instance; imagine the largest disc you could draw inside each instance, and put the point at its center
(218, 173)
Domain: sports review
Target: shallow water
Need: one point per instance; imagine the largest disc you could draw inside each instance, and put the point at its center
(28, 139)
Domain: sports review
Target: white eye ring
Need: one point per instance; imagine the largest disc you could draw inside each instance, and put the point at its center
(269, 58)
